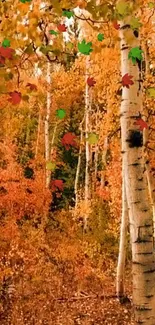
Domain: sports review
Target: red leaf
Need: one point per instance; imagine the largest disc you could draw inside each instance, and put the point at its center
(142, 124)
(68, 140)
(2, 60)
(62, 28)
(91, 82)
(6, 52)
(57, 184)
(116, 25)
(15, 97)
(126, 80)
(31, 86)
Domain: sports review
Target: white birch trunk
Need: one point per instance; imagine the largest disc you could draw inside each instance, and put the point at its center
(78, 168)
(122, 244)
(140, 216)
(47, 141)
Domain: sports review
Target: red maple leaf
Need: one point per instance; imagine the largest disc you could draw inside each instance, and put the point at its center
(142, 124)
(15, 97)
(31, 86)
(57, 184)
(126, 80)
(6, 52)
(62, 28)
(91, 82)
(2, 60)
(68, 140)
(116, 25)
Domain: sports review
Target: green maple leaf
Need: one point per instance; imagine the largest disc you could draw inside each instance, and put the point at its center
(52, 32)
(61, 113)
(85, 48)
(100, 37)
(135, 23)
(135, 53)
(50, 165)
(151, 5)
(92, 138)
(68, 14)
(6, 43)
(122, 9)
(151, 92)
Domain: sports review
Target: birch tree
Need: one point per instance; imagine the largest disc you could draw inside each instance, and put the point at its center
(140, 216)
(47, 139)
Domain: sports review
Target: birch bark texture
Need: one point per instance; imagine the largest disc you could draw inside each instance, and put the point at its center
(140, 216)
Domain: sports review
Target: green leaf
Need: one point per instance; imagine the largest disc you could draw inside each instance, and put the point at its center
(68, 14)
(52, 32)
(85, 48)
(151, 92)
(6, 43)
(60, 113)
(135, 53)
(135, 23)
(29, 49)
(100, 37)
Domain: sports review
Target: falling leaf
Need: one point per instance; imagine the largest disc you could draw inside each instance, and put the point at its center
(15, 97)
(151, 92)
(100, 37)
(85, 48)
(68, 140)
(62, 28)
(126, 80)
(31, 86)
(52, 32)
(6, 43)
(60, 113)
(68, 14)
(6, 52)
(116, 25)
(25, 1)
(57, 184)
(135, 23)
(142, 124)
(91, 82)
(135, 54)
(92, 138)
(50, 165)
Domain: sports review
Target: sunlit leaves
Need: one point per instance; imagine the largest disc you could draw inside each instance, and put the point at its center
(92, 138)
(51, 165)
(151, 92)
(122, 9)
(135, 23)
(135, 54)
(151, 5)
(85, 48)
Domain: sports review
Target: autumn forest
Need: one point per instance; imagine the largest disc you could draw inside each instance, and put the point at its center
(77, 162)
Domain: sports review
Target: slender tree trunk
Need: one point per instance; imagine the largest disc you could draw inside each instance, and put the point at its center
(78, 168)
(47, 141)
(123, 243)
(140, 216)
(87, 169)
(38, 134)
(104, 155)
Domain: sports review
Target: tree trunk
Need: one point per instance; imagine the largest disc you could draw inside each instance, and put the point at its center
(78, 168)
(123, 243)
(87, 169)
(140, 216)
(47, 141)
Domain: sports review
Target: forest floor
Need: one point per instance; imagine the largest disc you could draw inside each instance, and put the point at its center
(91, 309)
